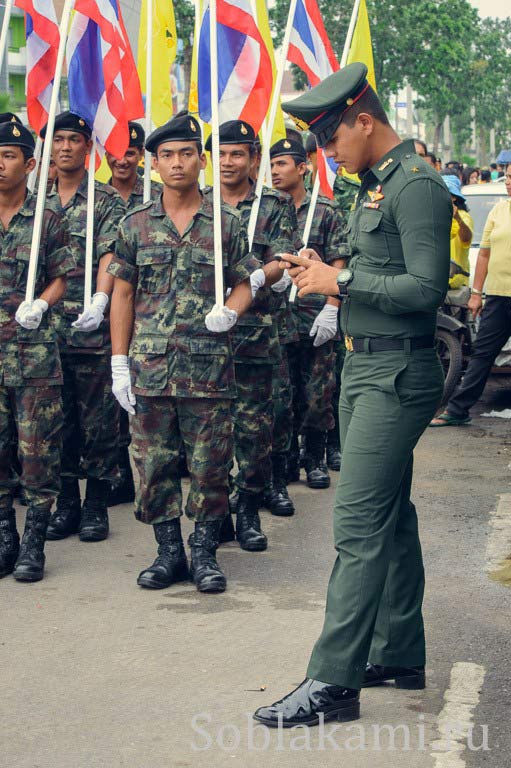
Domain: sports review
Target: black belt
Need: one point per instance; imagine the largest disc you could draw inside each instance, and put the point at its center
(387, 345)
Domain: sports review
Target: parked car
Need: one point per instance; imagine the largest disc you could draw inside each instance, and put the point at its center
(480, 200)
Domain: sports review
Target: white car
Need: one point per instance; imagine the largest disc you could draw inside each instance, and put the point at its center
(480, 200)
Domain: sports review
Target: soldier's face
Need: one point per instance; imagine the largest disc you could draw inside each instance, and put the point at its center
(70, 150)
(125, 169)
(286, 174)
(13, 168)
(350, 146)
(179, 164)
(235, 164)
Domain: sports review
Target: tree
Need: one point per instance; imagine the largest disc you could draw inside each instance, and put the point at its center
(184, 11)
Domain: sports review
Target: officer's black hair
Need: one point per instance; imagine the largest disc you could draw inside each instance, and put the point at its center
(27, 153)
(368, 103)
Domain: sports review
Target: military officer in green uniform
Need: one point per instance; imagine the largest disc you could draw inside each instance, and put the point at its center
(91, 414)
(130, 186)
(30, 368)
(179, 380)
(392, 383)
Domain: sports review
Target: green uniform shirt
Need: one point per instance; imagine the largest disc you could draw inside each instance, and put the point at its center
(109, 208)
(30, 357)
(345, 192)
(399, 239)
(137, 195)
(172, 352)
(327, 238)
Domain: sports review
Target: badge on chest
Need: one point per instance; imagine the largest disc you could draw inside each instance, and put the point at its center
(375, 195)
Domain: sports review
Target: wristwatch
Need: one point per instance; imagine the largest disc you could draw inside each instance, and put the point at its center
(344, 278)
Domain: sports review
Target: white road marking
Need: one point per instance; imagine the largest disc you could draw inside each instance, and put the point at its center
(498, 544)
(455, 721)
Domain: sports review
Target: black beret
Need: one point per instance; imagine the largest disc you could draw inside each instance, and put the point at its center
(137, 134)
(9, 117)
(68, 121)
(16, 135)
(234, 132)
(182, 127)
(321, 109)
(288, 147)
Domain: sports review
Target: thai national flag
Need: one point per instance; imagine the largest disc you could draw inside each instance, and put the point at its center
(310, 49)
(245, 76)
(42, 33)
(103, 81)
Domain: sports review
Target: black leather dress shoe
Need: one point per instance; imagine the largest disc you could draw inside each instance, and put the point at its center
(304, 705)
(410, 678)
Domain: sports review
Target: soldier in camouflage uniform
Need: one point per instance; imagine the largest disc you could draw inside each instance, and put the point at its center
(312, 360)
(130, 185)
(255, 337)
(180, 368)
(91, 414)
(30, 370)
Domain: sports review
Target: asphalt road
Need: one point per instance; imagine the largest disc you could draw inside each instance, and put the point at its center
(97, 673)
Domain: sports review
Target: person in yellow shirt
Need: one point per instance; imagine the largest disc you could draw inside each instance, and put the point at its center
(461, 232)
(493, 268)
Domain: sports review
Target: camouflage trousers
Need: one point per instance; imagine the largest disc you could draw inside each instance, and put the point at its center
(124, 429)
(282, 405)
(36, 414)
(252, 420)
(205, 425)
(312, 371)
(91, 418)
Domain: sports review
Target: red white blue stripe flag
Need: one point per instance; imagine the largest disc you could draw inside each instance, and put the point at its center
(42, 34)
(103, 82)
(311, 51)
(245, 75)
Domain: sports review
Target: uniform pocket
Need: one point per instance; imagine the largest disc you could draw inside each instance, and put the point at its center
(210, 366)
(154, 269)
(203, 270)
(39, 355)
(22, 261)
(149, 362)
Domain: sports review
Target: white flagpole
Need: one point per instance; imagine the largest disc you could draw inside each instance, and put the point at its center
(37, 157)
(268, 132)
(89, 239)
(5, 31)
(45, 163)
(148, 98)
(196, 36)
(315, 190)
(215, 157)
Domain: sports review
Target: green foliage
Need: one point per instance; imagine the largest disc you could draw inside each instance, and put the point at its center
(5, 100)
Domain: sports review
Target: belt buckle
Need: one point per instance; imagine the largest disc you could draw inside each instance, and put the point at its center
(348, 343)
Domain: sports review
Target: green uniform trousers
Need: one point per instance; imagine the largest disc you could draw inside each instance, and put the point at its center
(282, 405)
(252, 423)
(374, 600)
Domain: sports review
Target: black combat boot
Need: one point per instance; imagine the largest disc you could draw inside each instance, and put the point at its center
(276, 498)
(94, 519)
(123, 492)
(66, 519)
(293, 460)
(333, 449)
(171, 565)
(206, 573)
(317, 473)
(9, 541)
(30, 563)
(227, 530)
(248, 523)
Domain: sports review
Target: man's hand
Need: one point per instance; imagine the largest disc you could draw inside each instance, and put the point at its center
(220, 319)
(121, 383)
(324, 326)
(311, 275)
(29, 315)
(475, 305)
(257, 280)
(91, 318)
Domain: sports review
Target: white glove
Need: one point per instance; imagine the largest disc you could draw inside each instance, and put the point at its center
(91, 318)
(30, 315)
(221, 319)
(121, 383)
(324, 326)
(283, 284)
(257, 280)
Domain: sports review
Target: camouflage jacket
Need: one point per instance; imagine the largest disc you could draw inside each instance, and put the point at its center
(171, 351)
(137, 196)
(109, 208)
(328, 240)
(30, 357)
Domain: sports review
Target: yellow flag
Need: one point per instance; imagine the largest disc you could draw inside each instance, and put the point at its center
(279, 128)
(164, 52)
(361, 48)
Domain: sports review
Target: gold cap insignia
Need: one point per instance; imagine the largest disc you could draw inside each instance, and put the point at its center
(13, 119)
(286, 144)
(300, 124)
(15, 132)
(350, 102)
(133, 134)
(81, 122)
(193, 127)
(243, 130)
